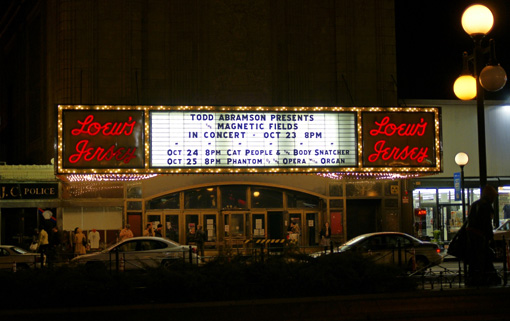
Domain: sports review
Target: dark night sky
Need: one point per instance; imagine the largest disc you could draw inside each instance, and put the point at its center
(430, 43)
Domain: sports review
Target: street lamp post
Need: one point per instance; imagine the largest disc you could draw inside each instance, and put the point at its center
(477, 21)
(462, 159)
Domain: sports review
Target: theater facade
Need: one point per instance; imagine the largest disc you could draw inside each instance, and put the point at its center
(243, 173)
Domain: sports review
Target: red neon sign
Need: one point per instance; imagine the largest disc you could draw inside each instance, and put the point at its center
(97, 139)
(398, 139)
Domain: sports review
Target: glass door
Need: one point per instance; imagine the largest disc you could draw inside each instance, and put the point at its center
(208, 221)
(191, 222)
(171, 225)
(236, 228)
(153, 219)
(209, 225)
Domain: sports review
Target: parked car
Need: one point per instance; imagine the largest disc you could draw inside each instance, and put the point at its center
(10, 254)
(383, 248)
(139, 253)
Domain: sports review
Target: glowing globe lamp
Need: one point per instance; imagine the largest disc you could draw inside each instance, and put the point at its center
(477, 20)
(465, 87)
(461, 159)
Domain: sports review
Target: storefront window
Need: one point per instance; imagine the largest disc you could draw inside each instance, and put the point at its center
(302, 200)
(105, 220)
(424, 196)
(200, 198)
(169, 201)
(266, 198)
(233, 196)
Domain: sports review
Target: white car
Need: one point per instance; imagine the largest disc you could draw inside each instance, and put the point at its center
(15, 258)
(383, 247)
(139, 253)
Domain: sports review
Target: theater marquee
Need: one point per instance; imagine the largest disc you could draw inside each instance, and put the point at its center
(205, 139)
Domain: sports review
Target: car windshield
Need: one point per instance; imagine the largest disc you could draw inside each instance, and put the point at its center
(352, 241)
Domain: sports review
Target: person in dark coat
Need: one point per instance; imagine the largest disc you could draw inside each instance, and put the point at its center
(200, 239)
(480, 238)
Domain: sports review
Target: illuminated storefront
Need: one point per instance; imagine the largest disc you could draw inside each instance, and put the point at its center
(437, 205)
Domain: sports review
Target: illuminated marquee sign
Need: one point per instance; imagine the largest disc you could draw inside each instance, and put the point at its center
(205, 139)
(252, 140)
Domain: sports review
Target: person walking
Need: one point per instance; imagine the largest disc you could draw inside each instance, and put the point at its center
(80, 242)
(480, 238)
(44, 244)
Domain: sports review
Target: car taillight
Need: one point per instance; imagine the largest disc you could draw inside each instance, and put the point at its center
(438, 250)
